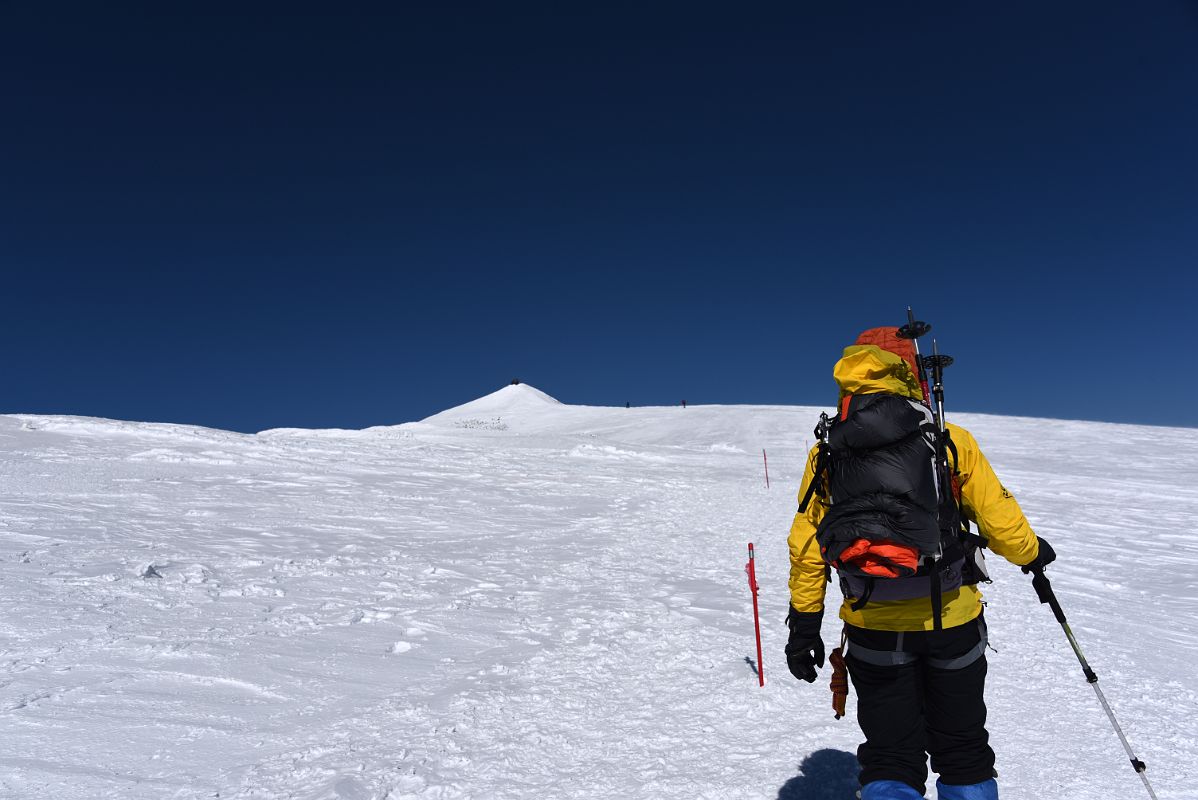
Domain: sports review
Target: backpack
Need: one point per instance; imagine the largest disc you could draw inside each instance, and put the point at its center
(893, 529)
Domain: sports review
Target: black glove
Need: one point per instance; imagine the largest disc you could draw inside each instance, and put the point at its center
(804, 649)
(1045, 557)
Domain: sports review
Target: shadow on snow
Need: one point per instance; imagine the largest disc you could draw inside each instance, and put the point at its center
(752, 665)
(824, 775)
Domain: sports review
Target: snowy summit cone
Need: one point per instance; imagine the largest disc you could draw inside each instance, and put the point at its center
(513, 400)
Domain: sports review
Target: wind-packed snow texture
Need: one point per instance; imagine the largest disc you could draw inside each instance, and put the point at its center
(522, 599)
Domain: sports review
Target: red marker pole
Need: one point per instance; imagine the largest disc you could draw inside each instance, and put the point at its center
(752, 572)
(766, 459)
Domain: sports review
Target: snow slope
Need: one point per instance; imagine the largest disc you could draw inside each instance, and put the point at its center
(518, 598)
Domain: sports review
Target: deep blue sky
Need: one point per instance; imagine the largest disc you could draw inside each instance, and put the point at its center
(246, 216)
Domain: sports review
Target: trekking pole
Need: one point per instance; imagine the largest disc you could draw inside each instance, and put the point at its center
(938, 362)
(913, 330)
(1044, 591)
(943, 475)
(766, 459)
(752, 573)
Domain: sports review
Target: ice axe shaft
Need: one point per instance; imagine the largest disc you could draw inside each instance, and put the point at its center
(1047, 596)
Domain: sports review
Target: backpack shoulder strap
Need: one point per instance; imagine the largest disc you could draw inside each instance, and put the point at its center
(952, 448)
(972, 540)
(821, 464)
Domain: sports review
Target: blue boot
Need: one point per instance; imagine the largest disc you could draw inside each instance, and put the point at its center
(889, 790)
(986, 790)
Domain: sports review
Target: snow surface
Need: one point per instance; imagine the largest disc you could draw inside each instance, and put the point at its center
(522, 599)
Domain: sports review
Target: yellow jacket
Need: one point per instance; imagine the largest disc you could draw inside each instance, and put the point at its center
(984, 501)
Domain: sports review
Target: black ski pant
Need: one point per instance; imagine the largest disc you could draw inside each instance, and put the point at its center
(919, 693)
